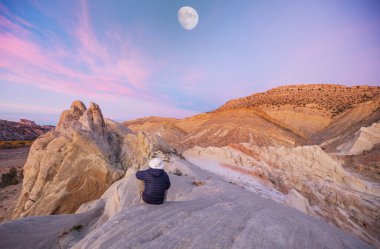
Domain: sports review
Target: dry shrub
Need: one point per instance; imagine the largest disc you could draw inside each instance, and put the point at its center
(198, 183)
(15, 144)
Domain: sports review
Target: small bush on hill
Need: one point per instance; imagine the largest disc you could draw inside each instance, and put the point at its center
(177, 172)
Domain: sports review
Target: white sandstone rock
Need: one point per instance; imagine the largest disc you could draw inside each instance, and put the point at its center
(364, 139)
(296, 200)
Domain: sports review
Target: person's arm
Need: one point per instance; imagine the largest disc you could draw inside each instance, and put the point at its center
(140, 175)
(167, 182)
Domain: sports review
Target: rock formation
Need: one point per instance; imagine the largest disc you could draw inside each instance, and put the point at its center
(215, 214)
(27, 122)
(345, 125)
(292, 145)
(262, 130)
(310, 176)
(296, 200)
(364, 139)
(23, 130)
(267, 135)
(79, 160)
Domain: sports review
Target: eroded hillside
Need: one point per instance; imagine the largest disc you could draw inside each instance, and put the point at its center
(327, 98)
(301, 114)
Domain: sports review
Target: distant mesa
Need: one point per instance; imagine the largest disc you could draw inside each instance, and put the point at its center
(27, 122)
(23, 130)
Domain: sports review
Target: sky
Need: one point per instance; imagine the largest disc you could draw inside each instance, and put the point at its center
(134, 59)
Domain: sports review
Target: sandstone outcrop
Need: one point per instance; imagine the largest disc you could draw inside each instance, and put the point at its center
(364, 139)
(332, 193)
(296, 200)
(79, 160)
(346, 124)
(215, 214)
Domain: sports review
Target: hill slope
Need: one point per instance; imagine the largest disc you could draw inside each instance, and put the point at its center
(287, 115)
(23, 130)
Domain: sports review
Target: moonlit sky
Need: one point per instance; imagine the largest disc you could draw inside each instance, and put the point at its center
(134, 59)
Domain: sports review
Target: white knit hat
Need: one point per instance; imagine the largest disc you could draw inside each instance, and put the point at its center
(156, 163)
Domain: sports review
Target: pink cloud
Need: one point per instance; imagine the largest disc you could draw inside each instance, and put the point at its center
(111, 72)
(90, 48)
(26, 61)
(91, 51)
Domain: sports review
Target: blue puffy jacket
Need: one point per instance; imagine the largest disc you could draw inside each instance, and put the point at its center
(156, 182)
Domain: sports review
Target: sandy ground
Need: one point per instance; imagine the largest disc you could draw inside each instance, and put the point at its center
(13, 158)
(8, 196)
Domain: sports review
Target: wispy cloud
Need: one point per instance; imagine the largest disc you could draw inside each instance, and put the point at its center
(89, 68)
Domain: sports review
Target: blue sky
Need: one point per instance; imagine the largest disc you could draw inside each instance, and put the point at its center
(134, 59)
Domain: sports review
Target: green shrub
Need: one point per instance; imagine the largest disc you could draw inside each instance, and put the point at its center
(9, 178)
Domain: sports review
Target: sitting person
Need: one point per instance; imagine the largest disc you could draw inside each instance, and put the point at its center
(156, 182)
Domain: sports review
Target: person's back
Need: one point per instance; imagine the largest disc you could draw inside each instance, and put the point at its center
(156, 182)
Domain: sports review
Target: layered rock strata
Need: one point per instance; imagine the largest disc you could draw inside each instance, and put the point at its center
(331, 192)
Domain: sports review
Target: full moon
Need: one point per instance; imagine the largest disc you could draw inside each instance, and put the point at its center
(187, 17)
